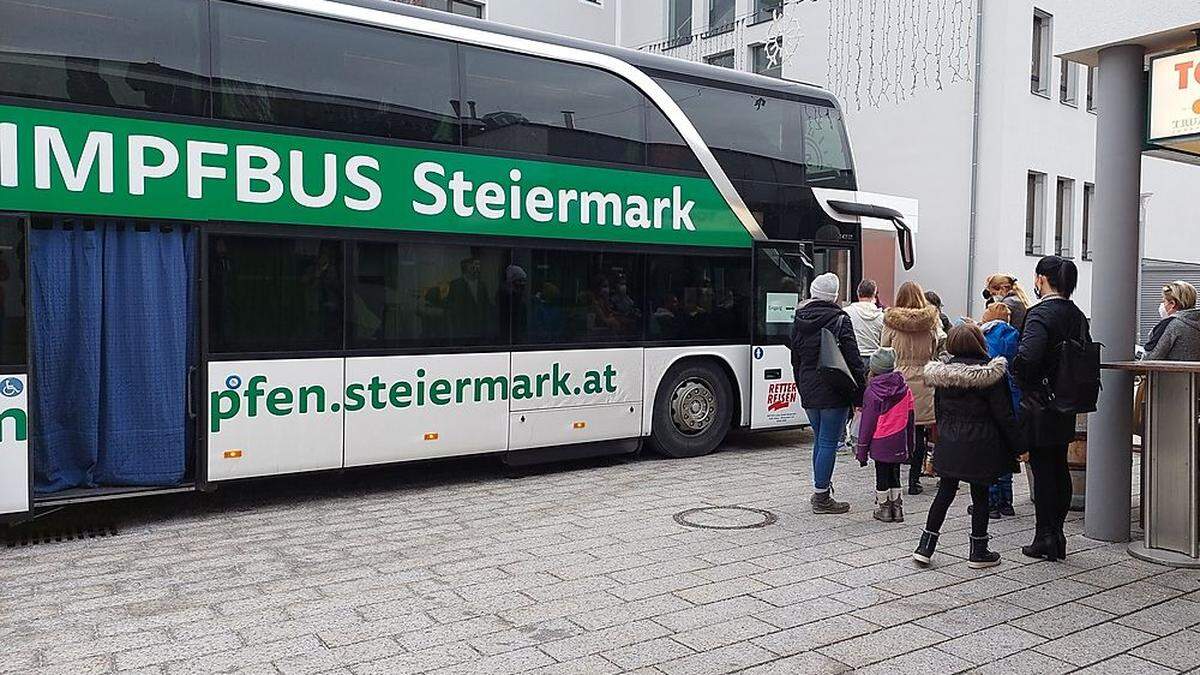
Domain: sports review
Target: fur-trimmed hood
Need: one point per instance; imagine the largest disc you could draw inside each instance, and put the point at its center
(908, 320)
(966, 374)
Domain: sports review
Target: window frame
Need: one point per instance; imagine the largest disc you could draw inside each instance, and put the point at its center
(1035, 214)
(1068, 87)
(712, 59)
(1092, 78)
(1089, 197)
(761, 48)
(1041, 48)
(1064, 217)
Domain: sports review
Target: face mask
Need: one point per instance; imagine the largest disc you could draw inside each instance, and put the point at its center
(1162, 310)
(998, 298)
(1037, 291)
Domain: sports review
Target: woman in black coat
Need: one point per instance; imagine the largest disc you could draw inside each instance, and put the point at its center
(978, 436)
(1048, 432)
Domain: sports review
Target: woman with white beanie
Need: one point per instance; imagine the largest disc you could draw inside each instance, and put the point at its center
(826, 404)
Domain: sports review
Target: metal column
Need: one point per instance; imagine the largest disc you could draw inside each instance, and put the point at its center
(1120, 126)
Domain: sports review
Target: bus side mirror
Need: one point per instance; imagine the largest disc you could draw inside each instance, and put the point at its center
(904, 240)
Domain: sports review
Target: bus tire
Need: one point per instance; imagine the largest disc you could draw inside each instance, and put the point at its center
(693, 408)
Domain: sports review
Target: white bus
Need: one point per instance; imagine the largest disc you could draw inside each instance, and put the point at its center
(247, 238)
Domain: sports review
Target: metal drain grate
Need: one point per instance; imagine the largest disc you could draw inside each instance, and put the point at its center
(725, 518)
(25, 537)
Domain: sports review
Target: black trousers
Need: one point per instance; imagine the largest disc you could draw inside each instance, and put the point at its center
(1051, 486)
(947, 489)
(920, 449)
(887, 476)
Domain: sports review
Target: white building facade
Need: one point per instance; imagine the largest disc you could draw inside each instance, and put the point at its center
(960, 104)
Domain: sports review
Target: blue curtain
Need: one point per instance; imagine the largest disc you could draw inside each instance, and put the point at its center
(111, 359)
(65, 301)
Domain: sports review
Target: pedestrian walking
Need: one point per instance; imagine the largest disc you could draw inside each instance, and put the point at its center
(887, 432)
(826, 399)
(911, 328)
(977, 440)
(1004, 288)
(867, 318)
(1178, 334)
(1177, 297)
(1002, 340)
(1049, 326)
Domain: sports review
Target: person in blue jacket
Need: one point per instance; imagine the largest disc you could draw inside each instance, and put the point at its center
(1002, 340)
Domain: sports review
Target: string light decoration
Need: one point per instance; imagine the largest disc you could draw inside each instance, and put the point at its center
(888, 51)
(783, 37)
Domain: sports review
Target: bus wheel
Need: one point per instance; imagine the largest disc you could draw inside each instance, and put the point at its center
(692, 409)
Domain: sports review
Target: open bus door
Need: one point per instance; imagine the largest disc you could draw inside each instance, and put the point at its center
(782, 272)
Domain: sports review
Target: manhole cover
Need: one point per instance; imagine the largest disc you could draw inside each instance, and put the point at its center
(725, 518)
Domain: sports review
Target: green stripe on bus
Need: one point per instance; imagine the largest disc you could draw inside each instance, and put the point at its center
(69, 162)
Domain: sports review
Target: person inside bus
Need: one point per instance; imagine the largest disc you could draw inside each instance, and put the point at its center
(468, 304)
(666, 317)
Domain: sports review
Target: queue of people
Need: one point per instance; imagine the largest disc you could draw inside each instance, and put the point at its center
(980, 395)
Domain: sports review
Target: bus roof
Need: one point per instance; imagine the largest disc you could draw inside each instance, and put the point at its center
(639, 59)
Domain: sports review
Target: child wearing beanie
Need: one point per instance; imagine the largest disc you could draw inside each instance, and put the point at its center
(887, 433)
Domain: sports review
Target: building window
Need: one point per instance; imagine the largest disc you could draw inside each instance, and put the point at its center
(720, 15)
(679, 19)
(764, 10)
(1089, 194)
(1064, 216)
(453, 6)
(724, 60)
(762, 63)
(1068, 83)
(1040, 71)
(1035, 213)
(1091, 89)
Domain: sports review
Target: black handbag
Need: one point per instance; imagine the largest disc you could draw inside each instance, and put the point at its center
(831, 365)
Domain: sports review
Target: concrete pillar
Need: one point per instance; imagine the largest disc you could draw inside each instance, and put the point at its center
(1120, 127)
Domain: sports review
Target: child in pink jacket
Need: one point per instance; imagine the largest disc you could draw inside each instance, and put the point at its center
(887, 432)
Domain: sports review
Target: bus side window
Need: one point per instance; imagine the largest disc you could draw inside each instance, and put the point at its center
(293, 70)
(122, 53)
(579, 297)
(430, 295)
(532, 105)
(274, 294)
(699, 298)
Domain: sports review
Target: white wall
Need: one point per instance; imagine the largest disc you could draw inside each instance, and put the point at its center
(577, 18)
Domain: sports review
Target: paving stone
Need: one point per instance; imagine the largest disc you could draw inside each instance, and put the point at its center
(648, 653)
(816, 634)
(991, 644)
(721, 634)
(1164, 618)
(595, 642)
(1180, 651)
(1050, 594)
(810, 663)
(1061, 620)
(965, 620)
(1025, 663)
(1094, 644)
(1126, 665)
(927, 660)
(882, 645)
(729, 659)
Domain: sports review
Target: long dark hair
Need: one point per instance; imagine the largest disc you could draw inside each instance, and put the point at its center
(1062, 274)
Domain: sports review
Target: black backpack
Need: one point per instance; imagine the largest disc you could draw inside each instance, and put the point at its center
(1074, 386)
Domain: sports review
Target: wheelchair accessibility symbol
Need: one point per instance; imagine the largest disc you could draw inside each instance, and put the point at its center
(11, 386)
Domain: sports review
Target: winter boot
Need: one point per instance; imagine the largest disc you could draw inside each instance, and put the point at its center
(897, 505)
(924, 553)
(883, 506)
(981, 557)
(823, 502)
(1045, 545)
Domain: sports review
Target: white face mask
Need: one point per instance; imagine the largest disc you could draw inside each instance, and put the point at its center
(1162, 310)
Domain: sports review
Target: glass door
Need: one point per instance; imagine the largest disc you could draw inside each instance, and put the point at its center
(782, 272)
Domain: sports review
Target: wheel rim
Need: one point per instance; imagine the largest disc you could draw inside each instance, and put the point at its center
(693, 407)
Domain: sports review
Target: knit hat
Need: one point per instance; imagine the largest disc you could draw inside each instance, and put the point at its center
(825, 287)
(883, 361)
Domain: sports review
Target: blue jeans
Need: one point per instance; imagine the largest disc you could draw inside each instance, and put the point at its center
(828, 425)
(1001, 491)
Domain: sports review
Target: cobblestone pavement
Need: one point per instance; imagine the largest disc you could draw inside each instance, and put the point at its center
(461, 567)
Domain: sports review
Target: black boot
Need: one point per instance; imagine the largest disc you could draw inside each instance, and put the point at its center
(981, 557)
(1045, 545)
(1060, 539)
(924, 553)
